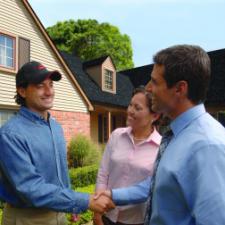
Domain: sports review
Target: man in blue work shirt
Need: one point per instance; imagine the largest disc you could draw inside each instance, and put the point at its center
(190, 178)
(34, 180)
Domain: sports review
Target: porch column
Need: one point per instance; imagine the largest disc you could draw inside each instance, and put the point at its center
(109, 124)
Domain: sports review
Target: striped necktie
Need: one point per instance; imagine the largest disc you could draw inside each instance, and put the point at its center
(164, 142)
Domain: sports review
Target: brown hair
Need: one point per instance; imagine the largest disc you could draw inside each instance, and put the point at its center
(189, 63)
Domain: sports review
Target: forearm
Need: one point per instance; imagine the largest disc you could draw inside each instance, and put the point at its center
(133, 194)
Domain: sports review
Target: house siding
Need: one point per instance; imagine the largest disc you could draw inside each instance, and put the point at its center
(15, 19)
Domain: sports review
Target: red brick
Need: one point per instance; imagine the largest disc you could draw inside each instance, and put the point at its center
(73, 123)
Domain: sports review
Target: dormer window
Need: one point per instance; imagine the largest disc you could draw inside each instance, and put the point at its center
(108, 79)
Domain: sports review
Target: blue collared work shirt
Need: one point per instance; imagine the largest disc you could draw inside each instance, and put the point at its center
(33, 165)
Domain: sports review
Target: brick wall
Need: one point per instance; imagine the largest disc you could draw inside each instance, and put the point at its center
(73, 123)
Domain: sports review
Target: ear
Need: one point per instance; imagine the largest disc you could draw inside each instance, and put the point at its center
(21, 91)
(155, 116)
(181, 88)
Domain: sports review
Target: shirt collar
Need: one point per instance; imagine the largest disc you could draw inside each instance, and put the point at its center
(33, 116)
(153, 137)
(186, 118)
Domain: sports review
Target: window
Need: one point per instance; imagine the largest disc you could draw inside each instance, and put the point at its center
(5, 115)
(108, 75)
(12, 57)
(7, 51)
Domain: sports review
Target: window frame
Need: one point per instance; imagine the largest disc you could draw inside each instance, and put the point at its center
(105, 80)
(15, 53)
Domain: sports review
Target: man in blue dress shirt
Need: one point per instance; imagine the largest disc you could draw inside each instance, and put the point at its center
(34, 180)
(190, 180)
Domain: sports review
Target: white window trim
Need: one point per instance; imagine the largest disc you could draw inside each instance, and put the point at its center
(15, 60)
(104, 88)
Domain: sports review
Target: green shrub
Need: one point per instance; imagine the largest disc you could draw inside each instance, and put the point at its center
(82, 152)
(83, 176)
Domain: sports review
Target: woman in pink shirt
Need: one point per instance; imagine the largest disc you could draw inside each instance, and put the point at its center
(129, 158)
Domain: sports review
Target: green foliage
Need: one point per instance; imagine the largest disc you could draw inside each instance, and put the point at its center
(89, 40)
(86, 216)
(82, 152)
(83, 176)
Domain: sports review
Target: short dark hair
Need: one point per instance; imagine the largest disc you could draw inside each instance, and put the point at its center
(148, 95)
(186, 62)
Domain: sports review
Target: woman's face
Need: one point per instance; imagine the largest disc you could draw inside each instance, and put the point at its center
(138, 113)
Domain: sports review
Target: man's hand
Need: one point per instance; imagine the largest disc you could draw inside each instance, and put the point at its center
(101, 205)
(106, 193)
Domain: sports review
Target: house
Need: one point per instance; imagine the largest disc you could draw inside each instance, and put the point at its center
(22, 39)
(92, 97)
(110, 91)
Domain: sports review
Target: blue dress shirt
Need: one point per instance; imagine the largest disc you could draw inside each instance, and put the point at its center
(190, 180)
(33, 165)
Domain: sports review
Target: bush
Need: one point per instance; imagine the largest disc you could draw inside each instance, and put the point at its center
(83, 176)
(83, 152)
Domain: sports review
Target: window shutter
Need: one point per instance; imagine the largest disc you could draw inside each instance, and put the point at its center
(24, 51)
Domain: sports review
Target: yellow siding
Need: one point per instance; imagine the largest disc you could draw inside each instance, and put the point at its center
(15, 19)
(108, 64)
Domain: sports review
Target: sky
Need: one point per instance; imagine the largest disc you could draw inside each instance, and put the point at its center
(151, 24)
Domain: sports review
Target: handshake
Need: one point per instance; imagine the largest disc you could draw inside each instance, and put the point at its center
(101, 202)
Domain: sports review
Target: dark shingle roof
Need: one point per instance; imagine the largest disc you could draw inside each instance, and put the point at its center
(127, 80)
(94, 62)
(139, 75)
(216, 92)
(92, 89)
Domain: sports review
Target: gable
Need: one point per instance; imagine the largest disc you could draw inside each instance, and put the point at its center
(16, 19)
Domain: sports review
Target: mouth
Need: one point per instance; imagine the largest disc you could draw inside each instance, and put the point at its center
(47, 100)
(130, 119)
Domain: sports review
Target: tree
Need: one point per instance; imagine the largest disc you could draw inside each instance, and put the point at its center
(89, 40)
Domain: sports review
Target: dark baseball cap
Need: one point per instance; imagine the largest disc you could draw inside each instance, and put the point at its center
(34, 73)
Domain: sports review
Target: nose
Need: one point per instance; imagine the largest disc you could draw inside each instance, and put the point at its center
(49, 90)
(130, 110)
(148, 86)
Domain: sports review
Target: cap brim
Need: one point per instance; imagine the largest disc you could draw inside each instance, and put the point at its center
(55, 75)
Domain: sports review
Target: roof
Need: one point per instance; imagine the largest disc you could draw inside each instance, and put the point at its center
(139, 75)
(92, 89)
(216, 92)
(94, 62)
(127, 80)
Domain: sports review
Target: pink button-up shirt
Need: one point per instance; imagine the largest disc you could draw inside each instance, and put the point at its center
(125, 163)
